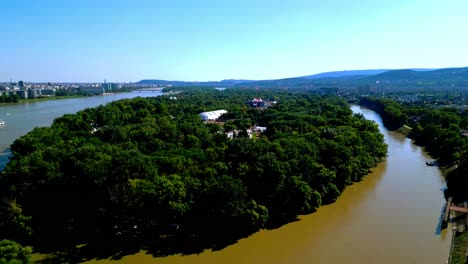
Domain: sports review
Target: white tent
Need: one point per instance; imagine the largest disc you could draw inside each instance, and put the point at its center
(212, 115)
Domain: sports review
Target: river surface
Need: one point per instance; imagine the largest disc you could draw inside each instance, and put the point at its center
(389, 217)
(22, 118)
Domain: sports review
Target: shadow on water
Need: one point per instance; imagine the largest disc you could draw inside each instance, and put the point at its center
(118, 248)
(4, 157)
(440, 224)
(177, 243)
(213, 239)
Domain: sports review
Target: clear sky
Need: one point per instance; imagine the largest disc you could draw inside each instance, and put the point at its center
(123, 41)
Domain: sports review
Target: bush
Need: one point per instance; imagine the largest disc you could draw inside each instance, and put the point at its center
(14, 253)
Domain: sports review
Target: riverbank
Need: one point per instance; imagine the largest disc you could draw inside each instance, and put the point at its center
(405, 130)
(460, 249)
(53, 98)
(42, 99)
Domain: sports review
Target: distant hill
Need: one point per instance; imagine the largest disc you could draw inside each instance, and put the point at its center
(455, 76)
(234, 81)
(334, 74)
(402, 79)
(175, 83)
(228, 82)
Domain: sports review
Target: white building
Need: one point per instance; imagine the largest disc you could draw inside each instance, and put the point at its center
(212, 115)
(236, 133)
(259, 129)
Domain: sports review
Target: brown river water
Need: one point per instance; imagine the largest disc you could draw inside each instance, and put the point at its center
(389, 217)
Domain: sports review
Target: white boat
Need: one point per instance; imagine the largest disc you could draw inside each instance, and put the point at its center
(2, 123)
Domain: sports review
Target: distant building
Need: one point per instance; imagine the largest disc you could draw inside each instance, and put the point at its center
(92, 89)
(236, 133)
(48, 92)
(23, 94)
(34, 93)
(212, 115)
(108, 87)
(256, 102)
(21, 84)
(259, 129)
(364, 90)
(328, 90)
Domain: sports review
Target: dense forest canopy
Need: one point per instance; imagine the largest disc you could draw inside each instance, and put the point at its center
(146, 168)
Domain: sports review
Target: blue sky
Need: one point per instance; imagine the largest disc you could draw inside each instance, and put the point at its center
(123, 41)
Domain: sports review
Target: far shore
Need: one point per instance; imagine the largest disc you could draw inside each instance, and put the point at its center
(44, 98)
(40, 99)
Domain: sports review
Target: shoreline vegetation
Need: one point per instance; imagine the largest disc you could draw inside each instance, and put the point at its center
(147, 173)
(42, 99)
(442, 132)
(56, 97)
(460, 253)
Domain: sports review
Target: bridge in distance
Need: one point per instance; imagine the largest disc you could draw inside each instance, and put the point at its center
(151, 89)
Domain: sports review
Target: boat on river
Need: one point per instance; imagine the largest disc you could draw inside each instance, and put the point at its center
(2, 123)
(432, 163)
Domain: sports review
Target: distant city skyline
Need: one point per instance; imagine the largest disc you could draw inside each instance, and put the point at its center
(207, 40)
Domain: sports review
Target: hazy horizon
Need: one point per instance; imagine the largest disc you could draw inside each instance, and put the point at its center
(124, 41)
(201, 81)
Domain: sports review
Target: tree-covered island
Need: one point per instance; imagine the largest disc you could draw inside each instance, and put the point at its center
(149, 173)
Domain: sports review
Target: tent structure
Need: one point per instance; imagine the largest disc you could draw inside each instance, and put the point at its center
(212, 115)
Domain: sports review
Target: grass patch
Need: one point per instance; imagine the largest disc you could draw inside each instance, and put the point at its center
(459, 248)
(405, 130)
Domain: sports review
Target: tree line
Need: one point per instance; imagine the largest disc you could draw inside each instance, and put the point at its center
(9, 98)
